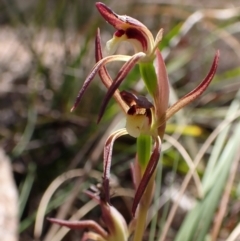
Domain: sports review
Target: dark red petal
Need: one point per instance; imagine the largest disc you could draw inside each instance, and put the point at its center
(107, 13)
(117, 21)
(126, 68)
(85, 85)
(103, 73)
(161, 96)
(132, 99)
(89, 224)
(119, 33)
(94, 71)
(206, 81)
(134, 33)
(107, 159)
(152, 164)
(98, 57)
(194, 94)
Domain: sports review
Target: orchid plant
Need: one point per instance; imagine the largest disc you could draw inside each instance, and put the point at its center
(117, 229)
(145, 120)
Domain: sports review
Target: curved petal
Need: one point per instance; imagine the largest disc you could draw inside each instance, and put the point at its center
(161, 96)
(94, 71)
(89, 224)
(158, 39)
(152, 164)
(126, 68)
(194, 94)
(107, 159)
(104, 75)
(118, 21)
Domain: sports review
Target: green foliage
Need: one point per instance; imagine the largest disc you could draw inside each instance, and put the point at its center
(144, 144)
(149, 77)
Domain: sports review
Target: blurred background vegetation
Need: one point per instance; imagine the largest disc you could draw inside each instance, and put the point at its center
(47, 50)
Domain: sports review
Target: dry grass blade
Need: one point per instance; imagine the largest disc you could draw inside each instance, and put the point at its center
(95, 154)
(62, 231)
(198, 16)
(213, 135)
(225, 198)
(189, 175)
(49, 193)
(189, 162)
(80, 213)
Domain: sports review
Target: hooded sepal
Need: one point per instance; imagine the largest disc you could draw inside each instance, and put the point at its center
(128, 29)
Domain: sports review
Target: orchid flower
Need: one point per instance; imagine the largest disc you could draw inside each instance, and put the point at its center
(128, 29)
(145, 120)
(117, 229)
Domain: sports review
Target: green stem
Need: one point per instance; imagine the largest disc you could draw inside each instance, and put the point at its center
(140, 225)
(143, 209)
(144, 144)
(149, 76)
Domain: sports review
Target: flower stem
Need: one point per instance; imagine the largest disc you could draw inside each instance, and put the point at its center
(143, 209)
(144, 146)
(143, 153)
(141, 222)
